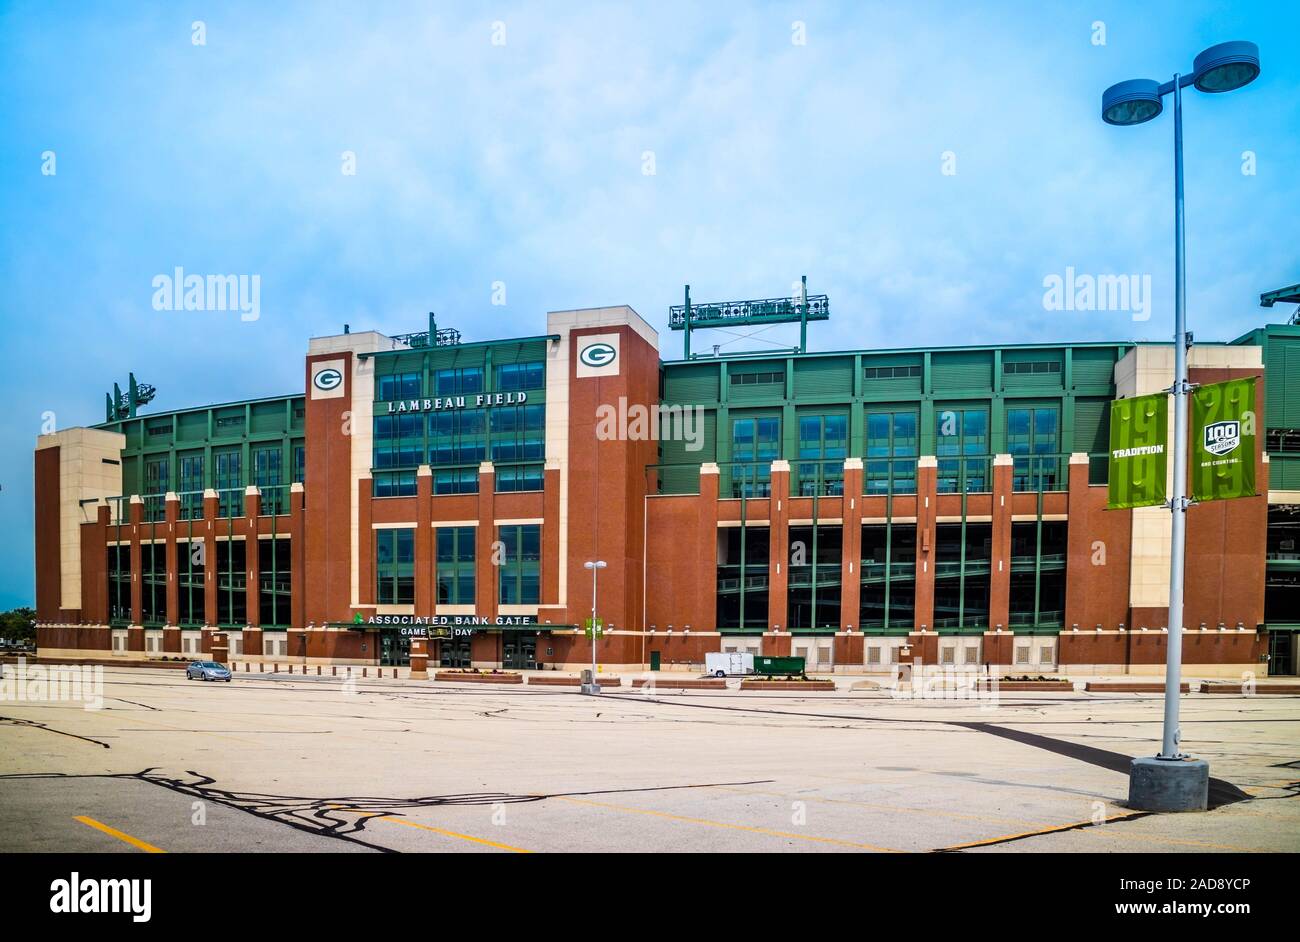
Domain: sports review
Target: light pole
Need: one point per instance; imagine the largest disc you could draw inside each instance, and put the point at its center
(594, 566)
(1172, 781)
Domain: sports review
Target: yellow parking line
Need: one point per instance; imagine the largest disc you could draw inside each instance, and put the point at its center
(114, 832)
(734, 827)
(443, 831)
(1048, 830)
(382, 816)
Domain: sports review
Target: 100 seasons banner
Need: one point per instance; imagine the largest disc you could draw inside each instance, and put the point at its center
(1223, 440)
(1139, 453)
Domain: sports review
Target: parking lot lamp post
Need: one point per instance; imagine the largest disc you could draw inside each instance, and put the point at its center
(593, 565)
(1172, 781)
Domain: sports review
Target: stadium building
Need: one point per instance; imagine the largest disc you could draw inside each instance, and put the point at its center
(860, 508)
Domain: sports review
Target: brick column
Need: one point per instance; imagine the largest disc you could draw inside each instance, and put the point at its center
(137, 568)
(779, 548)
(706, 606)
(1000, 558)
(426, 556)
(366, 595)
(297, 558)
(927, 507)
(1079, 537)
(485, 574)
(551, 561)
(172, 503)
(211, 504)
(851, 558)
(252, 566)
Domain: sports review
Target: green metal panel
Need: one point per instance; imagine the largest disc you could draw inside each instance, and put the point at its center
(1283, 406)
(192, 426)
(1094, 367)
(962, 371)
(824, 376)
(267, 417)
(1091, 425)
(694, 383)
(686, 479)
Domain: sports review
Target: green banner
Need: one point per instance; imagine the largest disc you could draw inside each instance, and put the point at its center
(1139, 453)
(1223, 440)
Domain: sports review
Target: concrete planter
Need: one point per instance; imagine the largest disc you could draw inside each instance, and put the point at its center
(1020, 686)
(803, 685)
(1119, 686)
(703, 683)
(1259, 688)
(551, 680)
(468, 678)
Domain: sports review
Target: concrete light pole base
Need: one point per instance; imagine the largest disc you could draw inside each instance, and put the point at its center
(590, 688)
(1156, 784)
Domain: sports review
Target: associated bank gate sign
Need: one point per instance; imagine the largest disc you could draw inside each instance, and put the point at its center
(444, 626)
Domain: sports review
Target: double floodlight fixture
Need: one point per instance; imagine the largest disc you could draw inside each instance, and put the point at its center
(1222, 68)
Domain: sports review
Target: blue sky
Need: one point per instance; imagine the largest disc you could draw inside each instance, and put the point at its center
(524, 163)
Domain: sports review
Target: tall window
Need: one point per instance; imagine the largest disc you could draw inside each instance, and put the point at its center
(521, 582)
(742, 578)
(891, 436)
(824, 438)
(299, 463)
(456, 565)
(398, 441)
(458, 437)
(266, 476)
(274, 582)
(395, 566)
(190, 573)
(512, 377)
(192, 485)
(961, 575)
(157, 481)
(232, 583)
(466, 380)
(228, 480)
(153, 592)
(395, 386)
(1033, 439)
(518, 433)
(756, 441)
(888, 574)
(119, 584)
(962, 432)
(815, 577)
(1038, 573)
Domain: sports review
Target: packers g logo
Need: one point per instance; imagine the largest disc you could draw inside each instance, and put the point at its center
(597, 354)
(327, 379)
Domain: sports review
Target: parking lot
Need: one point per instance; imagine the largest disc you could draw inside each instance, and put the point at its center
(274, 763)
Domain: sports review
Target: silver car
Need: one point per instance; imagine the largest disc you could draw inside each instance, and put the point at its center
(207, 670)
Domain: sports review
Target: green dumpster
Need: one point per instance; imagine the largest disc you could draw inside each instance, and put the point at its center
(778, 665)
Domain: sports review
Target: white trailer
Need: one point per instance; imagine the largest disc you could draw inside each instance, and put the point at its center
(728, 663)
